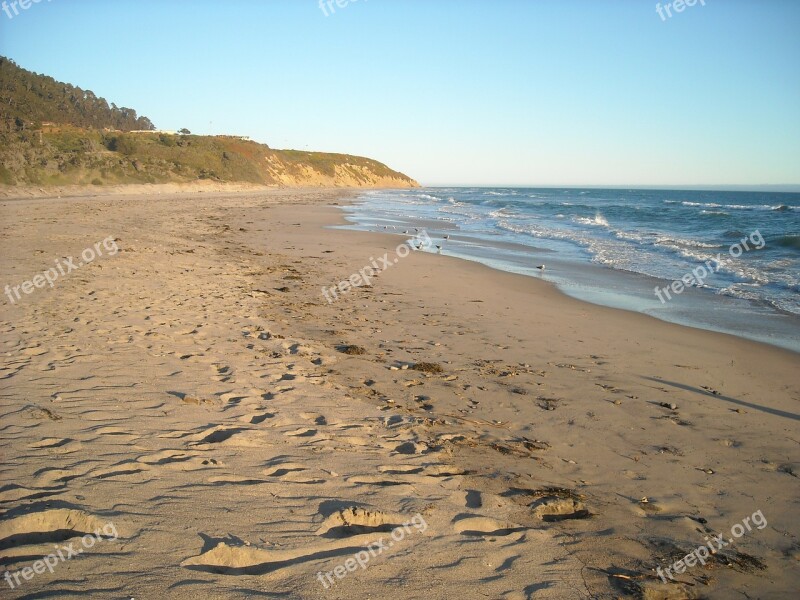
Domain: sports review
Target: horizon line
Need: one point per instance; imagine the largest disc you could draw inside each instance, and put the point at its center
(788, 188)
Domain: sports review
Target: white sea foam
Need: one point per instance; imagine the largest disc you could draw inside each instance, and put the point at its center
(598, 220)
(779, 207)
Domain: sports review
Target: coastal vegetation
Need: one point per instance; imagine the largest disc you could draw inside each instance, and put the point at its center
(53, 133)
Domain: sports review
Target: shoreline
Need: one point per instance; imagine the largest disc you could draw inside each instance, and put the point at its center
(244, 435)
(580, 278)
(345, 225)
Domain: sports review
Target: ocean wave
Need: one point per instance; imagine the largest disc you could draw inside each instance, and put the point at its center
(779, 265)
(542, 232)
(598, 220)
(777, 207)
(429, 197)
(671, 242)
(747, 292)
(787, 241)
(706, 204)
(417, 202)
(724, 263)
(735, 234)
(501, 212)
(715, 213)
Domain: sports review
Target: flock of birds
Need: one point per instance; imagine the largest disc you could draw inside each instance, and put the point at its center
(437, 246)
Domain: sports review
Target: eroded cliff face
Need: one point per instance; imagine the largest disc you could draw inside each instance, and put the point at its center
(344, 175)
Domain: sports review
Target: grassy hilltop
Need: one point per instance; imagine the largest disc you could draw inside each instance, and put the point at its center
(52, 133)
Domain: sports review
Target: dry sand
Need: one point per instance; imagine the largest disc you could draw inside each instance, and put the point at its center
(194, 392)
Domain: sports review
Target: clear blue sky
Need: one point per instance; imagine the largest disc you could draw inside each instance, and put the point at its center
(550, 92)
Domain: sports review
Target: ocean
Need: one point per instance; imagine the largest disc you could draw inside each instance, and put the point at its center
(617, 247)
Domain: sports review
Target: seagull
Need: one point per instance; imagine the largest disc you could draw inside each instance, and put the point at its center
(439, 248)
(540, 267)
(419, 247)
(447, 237)
(405, 232)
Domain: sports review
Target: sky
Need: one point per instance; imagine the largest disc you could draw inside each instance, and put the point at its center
(453, 92)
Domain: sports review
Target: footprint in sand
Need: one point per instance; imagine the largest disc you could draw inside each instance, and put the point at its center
(358, 521)
(228, 436)
(16, 493)
(469, 524)
(412, 448)
(302, 432)
(166, 457)
(50, 443)
(53, 476)
(224, 373)
(551, 504)
(39, 413)
(291, 472)
(283, 468)
(317, 418)
(34, 531)
(345, 532)
(33, 351)
(120, 470)
(256, 418)
(57, 445)
(116, 432)
(234, 480)
(400, 469)
(384, 481)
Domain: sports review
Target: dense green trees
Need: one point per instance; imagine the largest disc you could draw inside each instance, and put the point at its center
(28, 98)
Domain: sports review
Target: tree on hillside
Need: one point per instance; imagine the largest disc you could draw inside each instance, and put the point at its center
(33, 98)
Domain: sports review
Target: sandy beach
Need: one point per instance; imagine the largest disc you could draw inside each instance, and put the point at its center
(189, 411)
